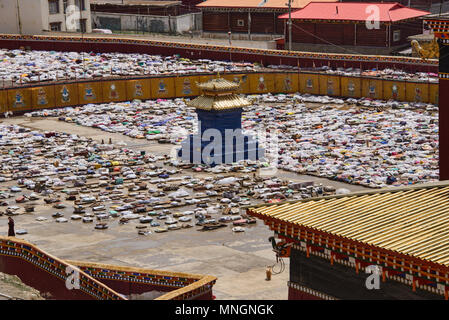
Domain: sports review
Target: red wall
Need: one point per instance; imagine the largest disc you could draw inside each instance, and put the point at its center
(261, 22)
(128, 287)
(443, 98)
(407, 29)
(343, 33)
(40, 279)
(47, 275)
(235, 17)
(264, 23)
(266, 57)
(215, 21)
(294, 294)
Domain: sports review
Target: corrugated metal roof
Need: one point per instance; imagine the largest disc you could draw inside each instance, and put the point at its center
(225, 102)
(348, 11)
(411, 220)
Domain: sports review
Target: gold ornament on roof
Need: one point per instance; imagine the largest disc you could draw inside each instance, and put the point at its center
(218, 85)
(218, 94)
(427, 51)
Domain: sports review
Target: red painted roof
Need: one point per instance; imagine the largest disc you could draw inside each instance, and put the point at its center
(296, 4)
(355, 11)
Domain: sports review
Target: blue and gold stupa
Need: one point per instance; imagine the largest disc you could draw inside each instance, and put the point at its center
(219, 138)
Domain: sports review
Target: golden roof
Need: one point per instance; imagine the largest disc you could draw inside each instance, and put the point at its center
(224, 102)
(218, 85)
(409, 220)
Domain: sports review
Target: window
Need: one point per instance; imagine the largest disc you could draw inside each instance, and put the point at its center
(53, 6)
(396, 35)
(81, 4)
(55, 26)
(240, 22)
(65, 4)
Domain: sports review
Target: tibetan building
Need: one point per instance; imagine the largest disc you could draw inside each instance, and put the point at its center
(350, 28)
(219, 111)
(401, 232)
(247, 16)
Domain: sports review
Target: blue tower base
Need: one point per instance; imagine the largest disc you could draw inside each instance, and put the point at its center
(195, 150)
(220, 140)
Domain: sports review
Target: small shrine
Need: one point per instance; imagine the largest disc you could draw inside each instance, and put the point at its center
(219, 138)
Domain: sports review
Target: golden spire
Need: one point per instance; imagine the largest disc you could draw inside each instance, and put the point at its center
(218, 85)
(218, 94)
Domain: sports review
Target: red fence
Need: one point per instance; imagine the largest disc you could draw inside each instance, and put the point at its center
(49, 275)
(215, 52)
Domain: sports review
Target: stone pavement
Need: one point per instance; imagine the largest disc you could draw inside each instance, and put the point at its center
(239, 260)
(184, 39)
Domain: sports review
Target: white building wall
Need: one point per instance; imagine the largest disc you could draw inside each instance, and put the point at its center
(30, 16)
(51, 18)
(8, 17)
(147, 23)
(69, 18)
(184, 23)
(35, 17)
